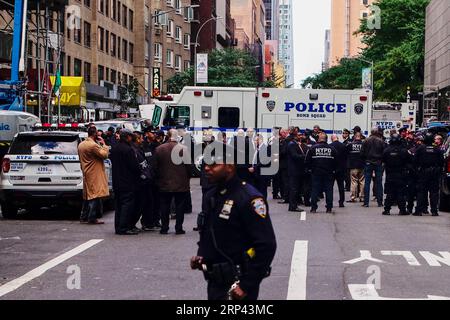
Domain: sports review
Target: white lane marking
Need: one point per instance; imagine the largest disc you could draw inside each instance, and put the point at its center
(409, 257)
(303, 215)
(37, 272)
(297, 278)
(10, 238)
(435, 260)
(369, 292)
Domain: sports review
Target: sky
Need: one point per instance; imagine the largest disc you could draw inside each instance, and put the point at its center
(311, 19)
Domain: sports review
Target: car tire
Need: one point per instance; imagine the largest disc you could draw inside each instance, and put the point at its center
(444, 202)
(9, 210)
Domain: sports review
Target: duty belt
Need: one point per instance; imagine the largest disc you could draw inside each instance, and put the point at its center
(223, 273)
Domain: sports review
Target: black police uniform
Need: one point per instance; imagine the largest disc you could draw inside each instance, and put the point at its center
(395, 159)
(321, 160)
(341, 169)
(411, 181)
(296, 169)
(429, 161)
(149, 149)
(237, 240)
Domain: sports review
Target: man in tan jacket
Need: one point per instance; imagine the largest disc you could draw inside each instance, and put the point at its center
(92, 152)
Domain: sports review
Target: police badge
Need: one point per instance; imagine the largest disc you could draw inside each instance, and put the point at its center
(270, 105)
(259, 206)
(359, 108)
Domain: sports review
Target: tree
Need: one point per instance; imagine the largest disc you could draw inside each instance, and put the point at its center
(397, 50)
(346, 75)
(226, 68)
(128, 96)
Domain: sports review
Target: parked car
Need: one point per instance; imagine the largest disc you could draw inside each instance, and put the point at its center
(42, 169)
(445, 181)
(131, 124)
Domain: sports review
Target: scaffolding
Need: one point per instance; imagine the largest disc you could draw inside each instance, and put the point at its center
(41, 49)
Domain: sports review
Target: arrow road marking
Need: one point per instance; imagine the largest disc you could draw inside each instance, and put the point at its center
(369, 292)
(297, 278)
(37, 272)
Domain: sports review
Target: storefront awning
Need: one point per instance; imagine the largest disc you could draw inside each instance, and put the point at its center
(72, 91)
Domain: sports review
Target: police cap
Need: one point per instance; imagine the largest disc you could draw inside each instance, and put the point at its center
(428, 139)
(395, 139)
(346, 131)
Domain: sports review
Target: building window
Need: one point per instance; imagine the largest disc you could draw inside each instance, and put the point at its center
(178, 33)
(147, 15)
(118, 48)
(187, 41)
(118, 12)
(169, 58)
(106, 42)
(170, 29)
(178, 63)
(113, 44)
(69, 66)
(124, 16)
(107, 8)
(187, 65)
(87, 34)
(124, 78)
(87, 72)
(178, 6)
(125, 49)
(107, 74)
(100, 73)
(101, 6)
(131, 60)
(146, 50)
(87, 3)
(100, 38)
(114, 10)
(77, 30)
(68, 29)
(228, 117)
(170, 3)
(77, 67)
(131, 19)
(113, 76)
(158, 53)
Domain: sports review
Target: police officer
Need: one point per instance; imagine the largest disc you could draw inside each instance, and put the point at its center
(237, 241)
(321, 160)
(395, 159)
(429, 160)
(296, 168)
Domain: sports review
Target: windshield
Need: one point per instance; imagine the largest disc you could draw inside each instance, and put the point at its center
(45, 145)
(178, 115)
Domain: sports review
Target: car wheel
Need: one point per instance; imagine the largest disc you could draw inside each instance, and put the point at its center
(444, 202)
(9, 211)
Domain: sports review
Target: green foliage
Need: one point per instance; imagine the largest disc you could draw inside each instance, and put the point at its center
(226, 68)
(346, 75)
(397, 49)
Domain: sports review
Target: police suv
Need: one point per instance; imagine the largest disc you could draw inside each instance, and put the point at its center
(42, 168)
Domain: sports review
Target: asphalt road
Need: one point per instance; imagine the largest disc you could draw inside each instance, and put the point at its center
(355, 253)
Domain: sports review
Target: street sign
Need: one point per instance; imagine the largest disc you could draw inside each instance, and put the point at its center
(202, 68)
(156, 84)
(367, 78)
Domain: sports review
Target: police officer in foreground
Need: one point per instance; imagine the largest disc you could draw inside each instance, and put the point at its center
(396, 159)
(237, 241)
(429, 160)
(321, 160)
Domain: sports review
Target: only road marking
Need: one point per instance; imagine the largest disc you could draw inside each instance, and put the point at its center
(37, 272)
(297, 278)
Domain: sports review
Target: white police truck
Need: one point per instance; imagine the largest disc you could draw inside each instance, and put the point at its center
(230, 109)
(394, 116)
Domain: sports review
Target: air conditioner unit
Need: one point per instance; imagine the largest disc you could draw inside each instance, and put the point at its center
(158, 31)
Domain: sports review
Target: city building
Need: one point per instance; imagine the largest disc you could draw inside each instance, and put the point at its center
(346, 18)
(217, 26)
(250, 29)
(437, 61)
(272, 19)
(326, 59)
(273, 69)
(286, 41)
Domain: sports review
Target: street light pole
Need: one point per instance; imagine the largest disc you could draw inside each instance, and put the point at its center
(150, 48)
(196, 44)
